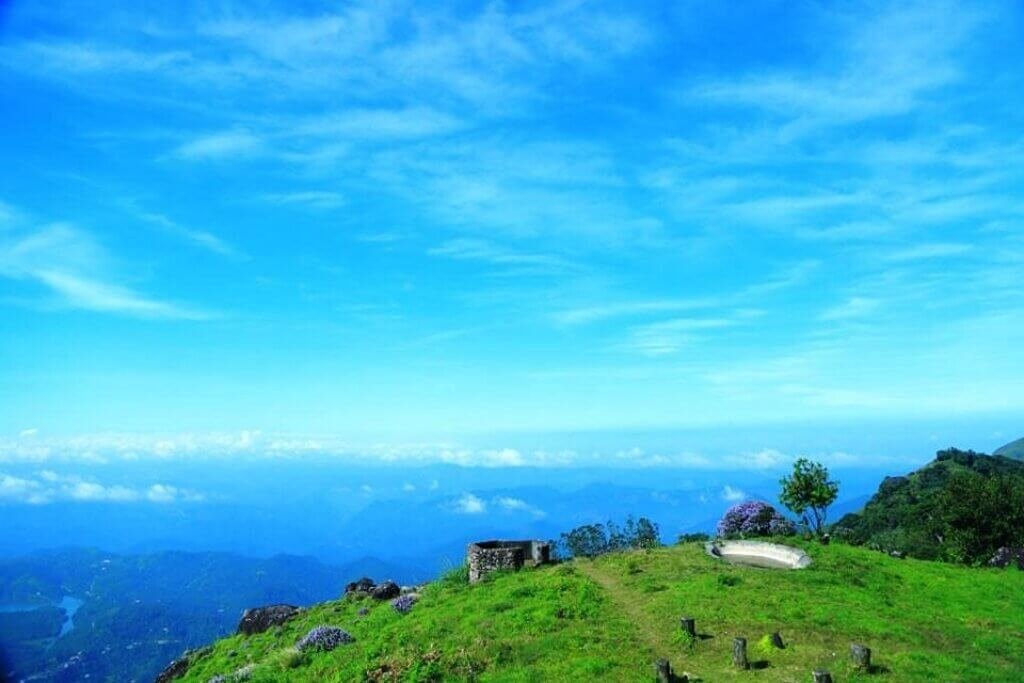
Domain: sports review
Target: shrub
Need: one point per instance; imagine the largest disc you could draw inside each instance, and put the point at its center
(455, 575)
(753, 518)
(698, 537)
(324, 638)
(592, 540)
(404, 603)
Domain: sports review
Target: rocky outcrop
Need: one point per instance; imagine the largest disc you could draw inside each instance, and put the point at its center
(260, 619)
(179, 666)
(386, 591)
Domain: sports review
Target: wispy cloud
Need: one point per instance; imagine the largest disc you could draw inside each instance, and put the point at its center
(876, 75)
(73, 267)
(314, 199)
(466, 249)
(855, 307)
(200, 238)
(224, 145)
(628, 309)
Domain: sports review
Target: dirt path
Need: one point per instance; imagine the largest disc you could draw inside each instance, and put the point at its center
(657, 637)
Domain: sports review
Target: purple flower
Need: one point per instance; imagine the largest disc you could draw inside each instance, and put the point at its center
(753, 518)
(324, 638)
(404, 603)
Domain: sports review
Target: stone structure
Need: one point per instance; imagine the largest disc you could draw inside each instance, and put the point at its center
(484, 557)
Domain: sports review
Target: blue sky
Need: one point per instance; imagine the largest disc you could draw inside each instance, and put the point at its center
(301, 225)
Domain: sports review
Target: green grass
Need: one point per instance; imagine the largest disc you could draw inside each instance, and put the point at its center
(610, 618)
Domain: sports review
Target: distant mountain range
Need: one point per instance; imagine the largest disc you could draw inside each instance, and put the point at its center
(76, 615)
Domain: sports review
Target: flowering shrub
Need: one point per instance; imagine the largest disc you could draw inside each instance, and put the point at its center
(324, 638)
(403, 604)
(754, 518)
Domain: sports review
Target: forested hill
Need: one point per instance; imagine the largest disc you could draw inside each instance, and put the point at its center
(1014, 449)
(962, 507)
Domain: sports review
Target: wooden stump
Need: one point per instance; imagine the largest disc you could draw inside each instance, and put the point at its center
(777, 640)
(689, 625)
(821, 676)
(739, 653)
(664, 671)
(861, 656)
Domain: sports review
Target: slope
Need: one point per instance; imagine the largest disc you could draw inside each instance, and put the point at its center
(608, 619)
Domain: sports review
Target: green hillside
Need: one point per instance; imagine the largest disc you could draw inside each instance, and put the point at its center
(962, 507)
(1014, 449)
(611, 618)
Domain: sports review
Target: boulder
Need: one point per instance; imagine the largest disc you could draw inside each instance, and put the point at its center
(1005, 556)
(386, 591)
(363, 585)
(260, 619)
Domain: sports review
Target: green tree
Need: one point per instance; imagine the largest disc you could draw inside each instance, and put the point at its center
(981, 514)
(808, 492)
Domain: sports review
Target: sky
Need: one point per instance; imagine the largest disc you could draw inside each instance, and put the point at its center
(294, 227)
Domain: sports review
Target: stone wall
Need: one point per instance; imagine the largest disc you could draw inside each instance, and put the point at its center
(484, 557)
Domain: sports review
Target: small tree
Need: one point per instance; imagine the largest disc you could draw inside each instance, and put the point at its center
(809, 490)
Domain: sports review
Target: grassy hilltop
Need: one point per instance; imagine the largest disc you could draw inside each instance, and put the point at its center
(611, 618)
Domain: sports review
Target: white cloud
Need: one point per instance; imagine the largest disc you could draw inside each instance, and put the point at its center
(18, 490)
(26, 433)
(733, 495)
(91, 491)
(518, 505)
(107, 448)
(49, 486)
(469, 504)
(408, 488)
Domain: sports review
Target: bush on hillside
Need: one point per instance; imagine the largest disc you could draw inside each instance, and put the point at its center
(754, 518)
(324, 638)
(403, 604)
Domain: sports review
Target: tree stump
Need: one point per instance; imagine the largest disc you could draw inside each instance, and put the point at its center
(777, 640)
(739, 653)
(861, 656)
(664, 671)
(689, 625)
(821, 676)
